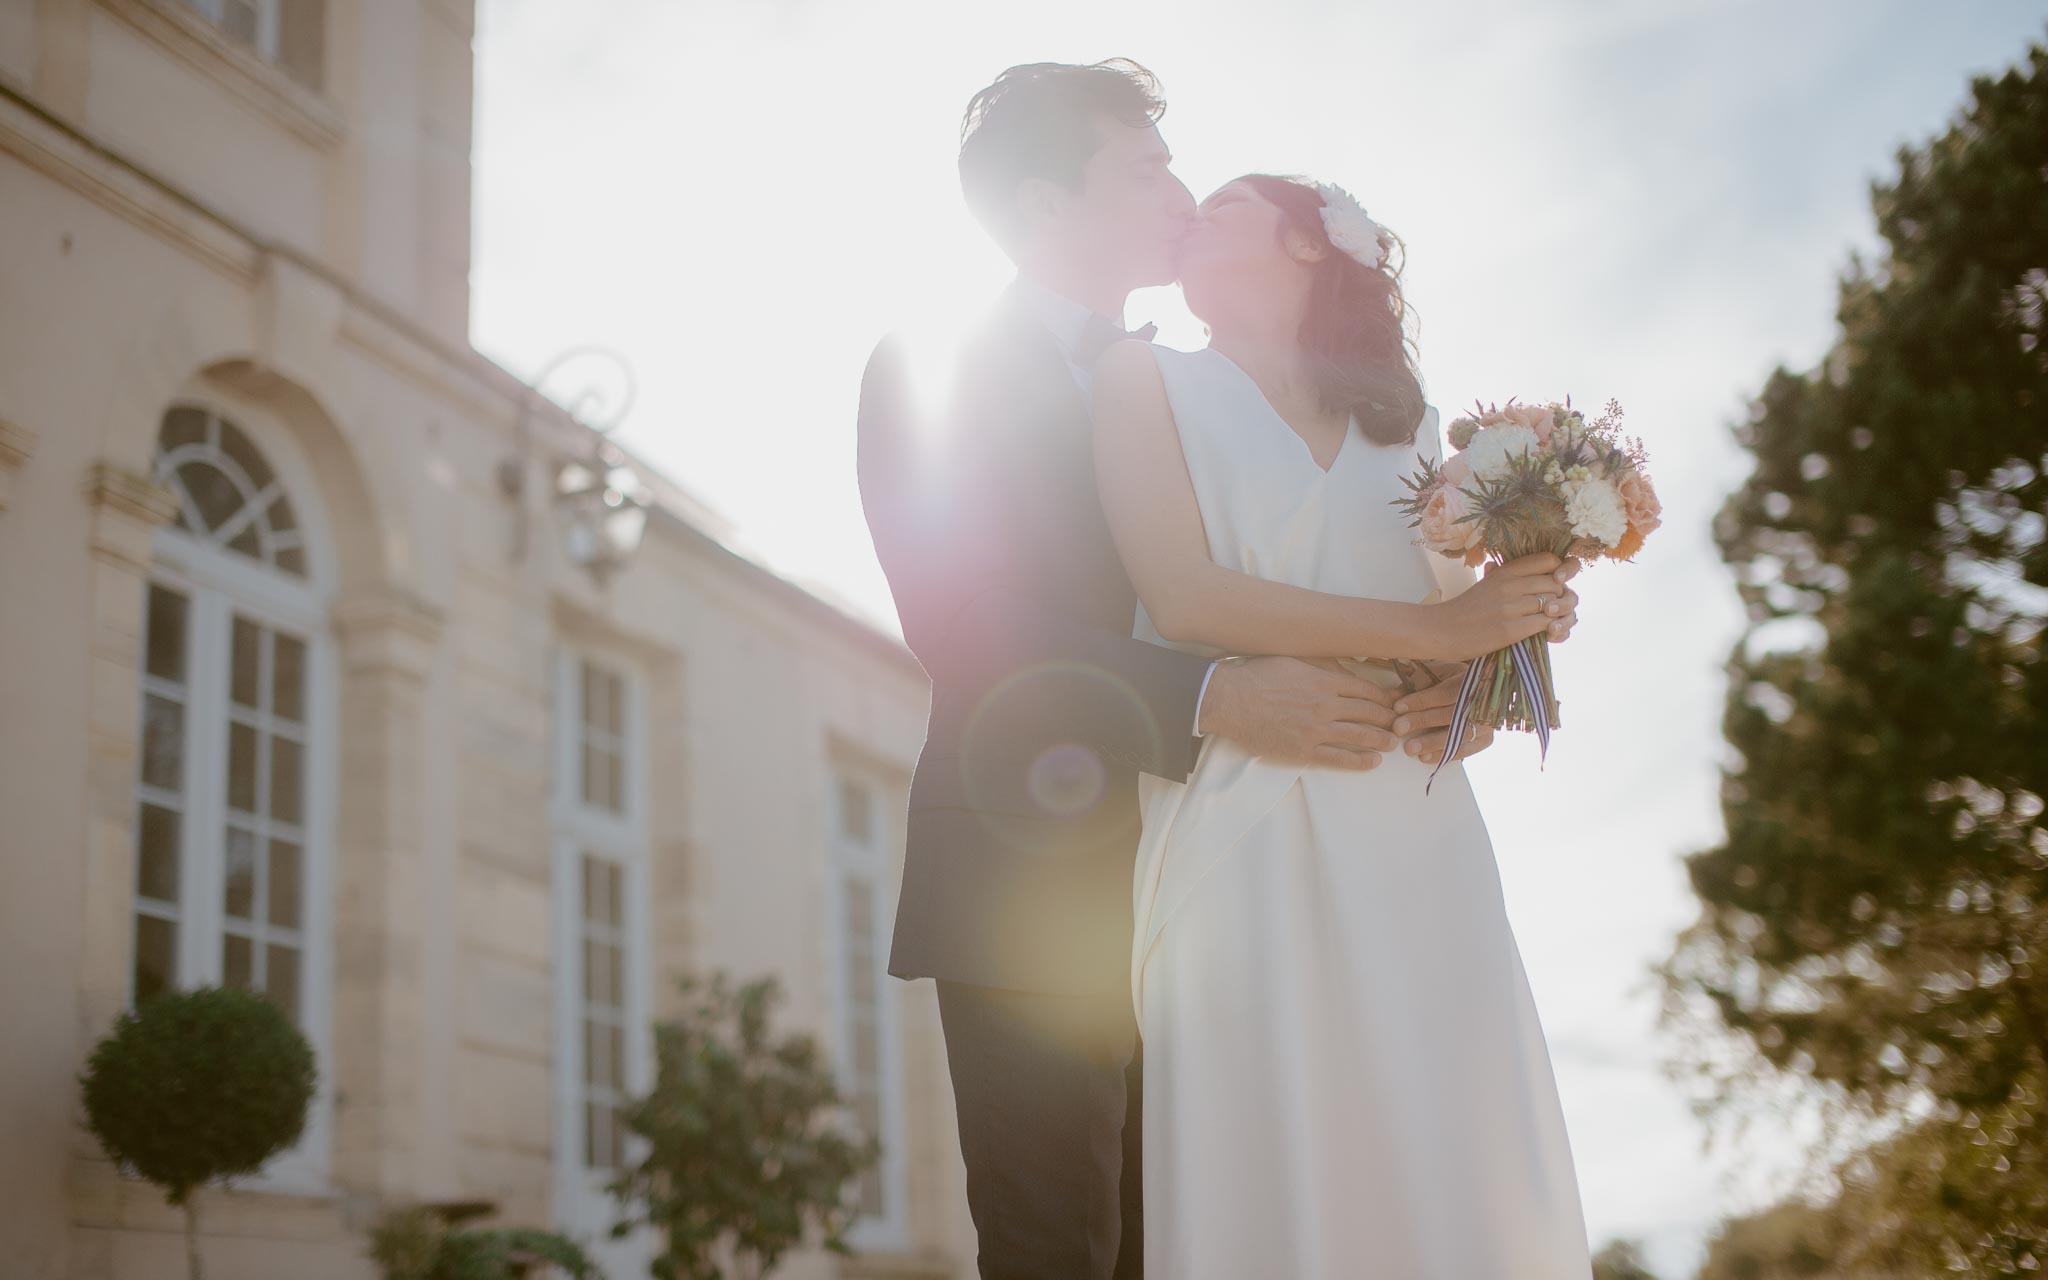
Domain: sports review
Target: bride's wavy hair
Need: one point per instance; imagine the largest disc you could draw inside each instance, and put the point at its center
(1355, 330)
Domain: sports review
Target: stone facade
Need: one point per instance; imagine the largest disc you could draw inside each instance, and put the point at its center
(258, 210)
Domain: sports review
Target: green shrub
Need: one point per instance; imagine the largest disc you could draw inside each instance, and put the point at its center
(416, 1244)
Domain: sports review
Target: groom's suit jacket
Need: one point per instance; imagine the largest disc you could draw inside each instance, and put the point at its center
(978, 481)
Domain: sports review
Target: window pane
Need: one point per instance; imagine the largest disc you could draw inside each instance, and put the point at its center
(239, 875)
(301, 36)
(596, 778)
(597, 973)
(284, 884)
(233, 442)
(281, 977)
(287, 775)
(238, 19)
(597, 1135)
(235, 964)
(292, 560)
(156, 855)
(156, 945)
(163, 742)
(280, 516)
(212, 492)
(181, 427)
(596, 1049)
(615, 1056)
(615, 778)
(242, 767)
(288, 678)
(593, 890)
(244, 662)
(248, 542)
(166, 636)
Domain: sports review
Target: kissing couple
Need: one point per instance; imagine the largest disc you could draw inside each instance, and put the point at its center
(1223, 991)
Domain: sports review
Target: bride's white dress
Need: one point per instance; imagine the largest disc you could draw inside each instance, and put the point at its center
(1344, 1072)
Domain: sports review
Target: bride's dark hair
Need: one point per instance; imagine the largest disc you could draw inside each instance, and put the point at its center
(1355, 329)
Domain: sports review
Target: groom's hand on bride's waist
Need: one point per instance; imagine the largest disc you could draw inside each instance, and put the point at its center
(1303, 712)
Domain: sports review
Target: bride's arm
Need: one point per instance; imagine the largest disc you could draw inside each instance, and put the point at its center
(1157, 524)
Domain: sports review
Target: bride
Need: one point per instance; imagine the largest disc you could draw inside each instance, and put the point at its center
(1344, 1072)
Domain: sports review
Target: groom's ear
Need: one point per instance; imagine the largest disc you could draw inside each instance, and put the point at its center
(1040, 200)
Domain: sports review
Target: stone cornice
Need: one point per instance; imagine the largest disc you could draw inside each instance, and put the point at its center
(186, 34)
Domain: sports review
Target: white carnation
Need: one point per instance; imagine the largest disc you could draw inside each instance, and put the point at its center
(1595, 509)
(1493, 446)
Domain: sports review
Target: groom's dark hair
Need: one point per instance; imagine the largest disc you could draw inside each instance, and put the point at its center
(1043, 120)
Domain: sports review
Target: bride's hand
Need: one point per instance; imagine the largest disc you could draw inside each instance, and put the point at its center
(1512, 602)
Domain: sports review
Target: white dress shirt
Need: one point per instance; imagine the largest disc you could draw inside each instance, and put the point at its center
(1066, 320)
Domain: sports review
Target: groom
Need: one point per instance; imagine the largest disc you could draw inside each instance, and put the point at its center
(980, 494)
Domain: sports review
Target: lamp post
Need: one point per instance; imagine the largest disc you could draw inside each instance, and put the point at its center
(600, 502)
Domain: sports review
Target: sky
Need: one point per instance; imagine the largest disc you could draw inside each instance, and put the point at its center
(1648, 200)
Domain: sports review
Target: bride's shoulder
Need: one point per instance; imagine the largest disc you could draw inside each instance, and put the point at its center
(1129, 367)
(1428, 435)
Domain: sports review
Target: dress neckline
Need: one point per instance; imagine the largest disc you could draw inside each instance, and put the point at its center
(1343, 446)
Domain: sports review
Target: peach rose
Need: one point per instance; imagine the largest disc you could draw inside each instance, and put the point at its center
(1534, 416)
(1639, 500)
(1444, 529)
(1456, 471)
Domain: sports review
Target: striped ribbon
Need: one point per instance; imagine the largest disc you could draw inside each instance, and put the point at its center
(1539, 706)
(1460, 713)
(1532, 693)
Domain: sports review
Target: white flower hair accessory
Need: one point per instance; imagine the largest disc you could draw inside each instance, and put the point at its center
(1354, 234)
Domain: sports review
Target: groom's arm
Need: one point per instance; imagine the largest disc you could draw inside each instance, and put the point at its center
(935, 504)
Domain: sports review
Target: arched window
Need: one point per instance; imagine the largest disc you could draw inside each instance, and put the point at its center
(229, 828)
(227, 495)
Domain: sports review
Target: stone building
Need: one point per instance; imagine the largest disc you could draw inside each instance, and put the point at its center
(305, 684)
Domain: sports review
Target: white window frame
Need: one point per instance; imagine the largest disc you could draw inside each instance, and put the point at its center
(268, 23)
(888, 1231)
(581, 1204)
(217, 584)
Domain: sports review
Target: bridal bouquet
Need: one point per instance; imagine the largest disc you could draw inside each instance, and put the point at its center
(1529, 478)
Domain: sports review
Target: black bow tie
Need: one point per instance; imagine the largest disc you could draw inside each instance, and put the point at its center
(1099, 335)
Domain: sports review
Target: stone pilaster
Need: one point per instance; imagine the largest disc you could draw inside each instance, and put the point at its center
(387, 642)
(126, 508)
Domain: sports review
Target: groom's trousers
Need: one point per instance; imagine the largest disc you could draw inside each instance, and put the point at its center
(1047, 1088)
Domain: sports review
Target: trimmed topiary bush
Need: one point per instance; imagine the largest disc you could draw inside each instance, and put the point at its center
(198, 1086)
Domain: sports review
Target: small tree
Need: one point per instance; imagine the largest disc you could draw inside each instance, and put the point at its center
(747, 1148)
(196, 1086)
